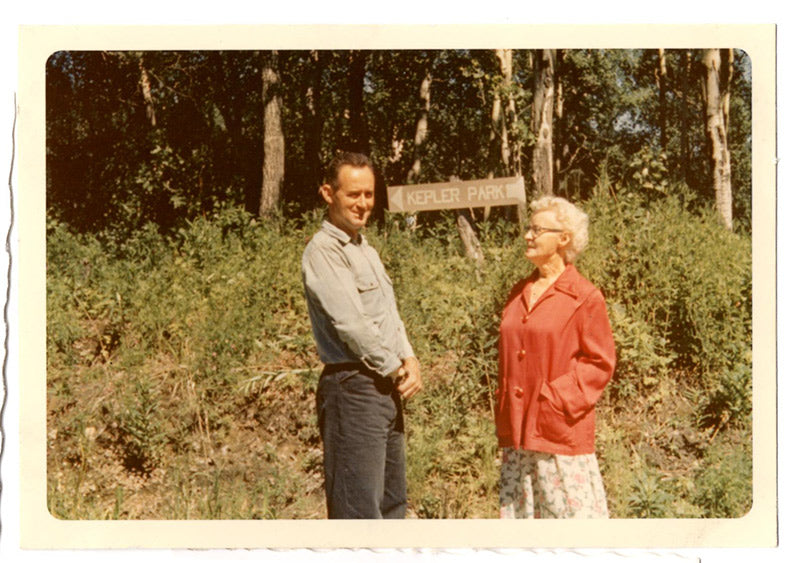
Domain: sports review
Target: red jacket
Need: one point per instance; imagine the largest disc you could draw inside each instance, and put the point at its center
(554, 363)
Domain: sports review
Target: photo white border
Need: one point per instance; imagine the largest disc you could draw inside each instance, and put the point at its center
(38, 529)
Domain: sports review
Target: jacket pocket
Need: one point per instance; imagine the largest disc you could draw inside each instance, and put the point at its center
(552, 425)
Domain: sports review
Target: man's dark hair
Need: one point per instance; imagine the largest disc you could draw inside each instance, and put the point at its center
(354, 159)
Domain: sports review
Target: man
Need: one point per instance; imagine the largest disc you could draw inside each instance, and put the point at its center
(369, 362)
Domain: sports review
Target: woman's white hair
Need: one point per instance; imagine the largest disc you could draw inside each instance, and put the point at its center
(572, 220)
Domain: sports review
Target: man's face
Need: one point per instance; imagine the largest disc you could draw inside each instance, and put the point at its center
(349, 206)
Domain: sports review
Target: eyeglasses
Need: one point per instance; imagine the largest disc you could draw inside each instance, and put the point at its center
(538, 231)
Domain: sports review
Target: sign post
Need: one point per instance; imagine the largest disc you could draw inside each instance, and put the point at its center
(457, 195)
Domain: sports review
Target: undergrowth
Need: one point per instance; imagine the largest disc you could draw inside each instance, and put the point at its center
(181, 368)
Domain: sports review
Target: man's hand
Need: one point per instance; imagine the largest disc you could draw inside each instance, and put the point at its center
(410, 380)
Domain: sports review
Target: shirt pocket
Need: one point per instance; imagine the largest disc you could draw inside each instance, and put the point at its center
(369, 292)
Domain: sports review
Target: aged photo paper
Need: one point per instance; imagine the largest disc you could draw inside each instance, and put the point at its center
(40, 530)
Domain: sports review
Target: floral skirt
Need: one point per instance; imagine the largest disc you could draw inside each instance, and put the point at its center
(539, 485)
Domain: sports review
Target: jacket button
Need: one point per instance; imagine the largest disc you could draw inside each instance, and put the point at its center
(518, 392)
(521, 354)
(524, 319)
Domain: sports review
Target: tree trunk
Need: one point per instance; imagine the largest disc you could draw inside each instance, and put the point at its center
(716, 98)
(313, 123)
(422, 127)
(496, 134)
(272, 169)
(470, 240)
(358, 139)
(144, 85)
(661, 77)
(504, 117)
(543, 67)
(685, 82)
(472, 246)
(558, 127)
(225, 70)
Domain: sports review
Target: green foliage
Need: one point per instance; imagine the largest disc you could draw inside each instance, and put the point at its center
(454, 307)
(142, 436)
(185, 346)
(649, 170)
(649, 499)
(729, 398)
(679, 294)
(85, 307)
(724, 483)
(176, 320)
(109, 165)
(451, 309)
(643, 357)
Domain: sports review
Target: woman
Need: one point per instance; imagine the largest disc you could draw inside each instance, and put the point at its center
(556, 356)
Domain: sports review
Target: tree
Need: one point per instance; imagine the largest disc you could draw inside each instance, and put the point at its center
(596, 119)
(505, 128)
(686, 71)
(740, 138)
(661, 78)
(312, 120)
(504, 116)
(357, 135)
(273, 167)
(144, 84)
(421, 133)
(718, 67)
(543, 69)
(164, 136)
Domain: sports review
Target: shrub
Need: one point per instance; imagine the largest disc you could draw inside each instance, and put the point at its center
(724, 483)
(649, 498)
(679, 292)
(194, 329)
(141, 434)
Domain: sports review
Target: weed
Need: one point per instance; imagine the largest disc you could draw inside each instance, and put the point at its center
(141, 432)
(649, 499)
(203, 336)
(724, 482)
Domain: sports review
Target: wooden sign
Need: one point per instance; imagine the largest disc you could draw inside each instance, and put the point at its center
(457, 195)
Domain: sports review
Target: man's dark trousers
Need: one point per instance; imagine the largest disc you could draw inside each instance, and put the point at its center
(361, 422)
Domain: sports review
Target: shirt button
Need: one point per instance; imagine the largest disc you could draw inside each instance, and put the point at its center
(518, 392)
(521, 354)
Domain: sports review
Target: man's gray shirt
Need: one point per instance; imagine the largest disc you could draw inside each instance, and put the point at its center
(351, 302)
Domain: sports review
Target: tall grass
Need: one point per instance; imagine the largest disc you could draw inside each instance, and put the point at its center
(181, 368)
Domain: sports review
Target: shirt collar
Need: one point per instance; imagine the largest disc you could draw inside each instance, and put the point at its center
(340, 235)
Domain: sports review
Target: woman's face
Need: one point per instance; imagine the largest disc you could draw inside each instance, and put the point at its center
(545, 237)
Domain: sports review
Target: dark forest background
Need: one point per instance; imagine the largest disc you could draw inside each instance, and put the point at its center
(182, 189)
(135, 137)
